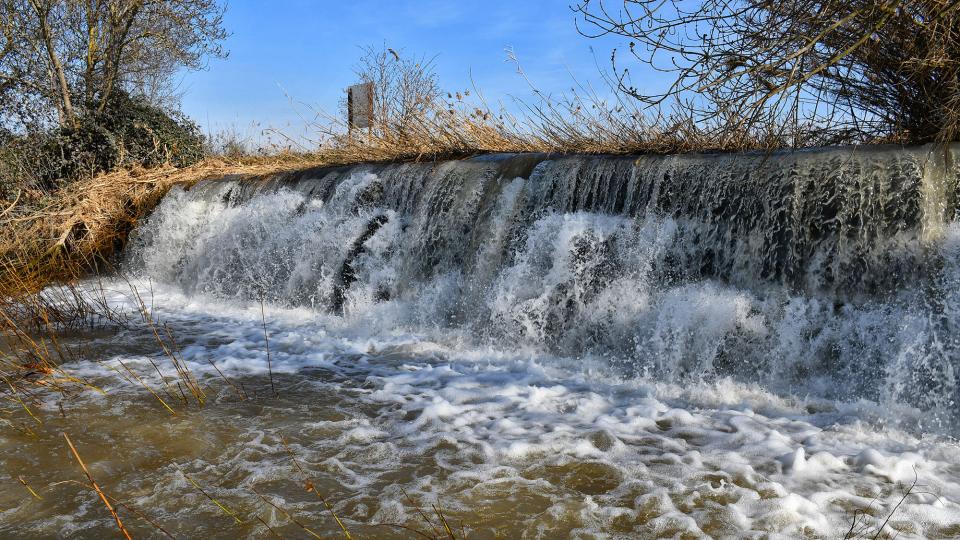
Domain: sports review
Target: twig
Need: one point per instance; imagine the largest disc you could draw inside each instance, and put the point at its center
(30, 489)
(287, 514)
(266, 339)
(226, 510)
(311, 487)
(93, 483)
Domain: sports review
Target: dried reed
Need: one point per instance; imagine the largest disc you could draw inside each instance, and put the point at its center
(96, 487)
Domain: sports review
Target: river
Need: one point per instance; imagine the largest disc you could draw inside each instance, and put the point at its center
(527, 347)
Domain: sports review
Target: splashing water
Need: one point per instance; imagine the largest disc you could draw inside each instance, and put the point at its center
(663, 346)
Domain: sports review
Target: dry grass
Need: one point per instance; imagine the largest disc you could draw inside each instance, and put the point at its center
(583, 122)
(413, 119)
(61, 236)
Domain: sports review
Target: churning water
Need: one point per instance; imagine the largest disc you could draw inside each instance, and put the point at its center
(724, 346)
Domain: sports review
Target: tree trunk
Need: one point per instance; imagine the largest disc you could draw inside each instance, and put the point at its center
(67, 116)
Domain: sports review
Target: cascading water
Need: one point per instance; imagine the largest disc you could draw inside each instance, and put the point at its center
(679, 346)
(827, 273)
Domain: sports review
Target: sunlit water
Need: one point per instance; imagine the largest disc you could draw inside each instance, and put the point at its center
(529, 369)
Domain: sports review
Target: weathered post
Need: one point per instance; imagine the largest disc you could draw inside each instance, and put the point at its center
(360, 108)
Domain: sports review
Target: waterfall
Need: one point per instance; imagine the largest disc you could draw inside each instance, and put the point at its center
(831, 272)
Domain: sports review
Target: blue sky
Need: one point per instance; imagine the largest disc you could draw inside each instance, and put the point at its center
(309, 49)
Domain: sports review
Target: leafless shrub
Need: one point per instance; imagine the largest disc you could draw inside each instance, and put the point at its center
(823, 71)
(412, 117)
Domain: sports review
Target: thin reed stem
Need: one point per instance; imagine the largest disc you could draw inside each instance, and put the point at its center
(96, 487)
(266, 339)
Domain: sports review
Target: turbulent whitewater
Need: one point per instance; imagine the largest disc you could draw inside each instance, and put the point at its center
(682, 346)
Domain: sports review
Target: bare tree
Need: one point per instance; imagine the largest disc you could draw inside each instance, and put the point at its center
(854, 70)
(65, 55)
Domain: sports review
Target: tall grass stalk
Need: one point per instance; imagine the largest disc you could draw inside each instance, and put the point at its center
(96, 487)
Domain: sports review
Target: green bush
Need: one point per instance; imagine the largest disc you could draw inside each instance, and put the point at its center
(149, 135)
(129, 131)
(84, 151)
(48, 160)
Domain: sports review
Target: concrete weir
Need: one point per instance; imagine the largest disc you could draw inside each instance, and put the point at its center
(846, 221)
